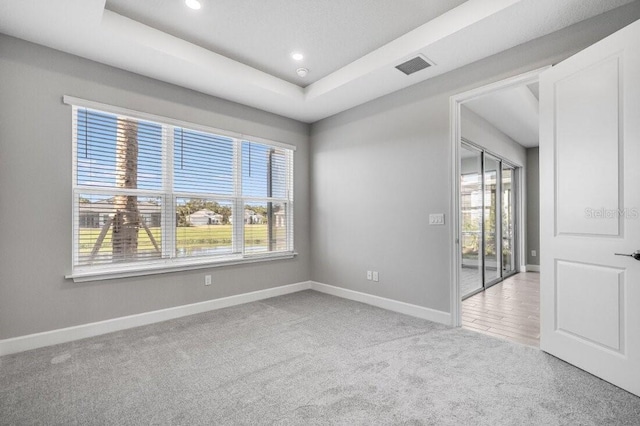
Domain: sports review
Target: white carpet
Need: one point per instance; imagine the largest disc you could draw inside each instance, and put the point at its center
(304, 359)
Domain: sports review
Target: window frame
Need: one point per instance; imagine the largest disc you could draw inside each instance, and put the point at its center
(169, 261)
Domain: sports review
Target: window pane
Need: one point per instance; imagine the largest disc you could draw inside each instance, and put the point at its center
(203, 227)
(264, 171)
(139, 184)
(203, 162)
(265, 227)
(118, 228)
(120, 152)
(491, 247)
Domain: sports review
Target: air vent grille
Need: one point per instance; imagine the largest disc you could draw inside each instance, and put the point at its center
(413, 65)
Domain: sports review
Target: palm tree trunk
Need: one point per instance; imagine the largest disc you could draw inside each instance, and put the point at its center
(126, 220)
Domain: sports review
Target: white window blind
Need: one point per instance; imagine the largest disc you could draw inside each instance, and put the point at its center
(151, 193)
(265, 189)
(203, 163)
(204, 185)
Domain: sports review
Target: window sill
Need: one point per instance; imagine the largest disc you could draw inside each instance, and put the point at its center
(162, 267)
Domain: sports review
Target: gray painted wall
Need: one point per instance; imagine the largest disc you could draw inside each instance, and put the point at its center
(378, 170)
(479, 131)
(533, 206)
(35, 192)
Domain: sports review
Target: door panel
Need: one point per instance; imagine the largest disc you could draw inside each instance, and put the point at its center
(578, 313)
(590, 166)
(588, 148)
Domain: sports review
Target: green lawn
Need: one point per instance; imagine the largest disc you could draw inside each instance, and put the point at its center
(187, 238)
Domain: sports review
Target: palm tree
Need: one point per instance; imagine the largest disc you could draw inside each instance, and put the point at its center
(126, 220)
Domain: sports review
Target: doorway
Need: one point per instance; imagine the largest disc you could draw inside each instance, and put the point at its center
(588, 260)
(489, 199)
(488, 189)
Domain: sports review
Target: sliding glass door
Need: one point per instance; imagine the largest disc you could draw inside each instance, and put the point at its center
(471, 219)
(492, 271)
(487, 213)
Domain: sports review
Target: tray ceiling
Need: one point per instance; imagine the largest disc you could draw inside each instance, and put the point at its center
(238, 50)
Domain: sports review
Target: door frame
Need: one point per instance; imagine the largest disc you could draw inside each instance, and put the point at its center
(455, 103)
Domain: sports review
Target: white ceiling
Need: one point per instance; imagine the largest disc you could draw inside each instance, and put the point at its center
(471, 31)
(513, 111)
(262, 34)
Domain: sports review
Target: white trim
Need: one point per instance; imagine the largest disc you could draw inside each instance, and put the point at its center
(456, 214)
(384, 303)
(456, 136)
(533, 268)
(290, 194)
(69, 334)
(170, 265)
(237, 226)
(75, 208)
(73, 101)
(63, 335)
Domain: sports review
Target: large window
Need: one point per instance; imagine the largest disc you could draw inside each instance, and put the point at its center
(157, 194)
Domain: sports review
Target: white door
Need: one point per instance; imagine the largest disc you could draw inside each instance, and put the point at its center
(590, 209)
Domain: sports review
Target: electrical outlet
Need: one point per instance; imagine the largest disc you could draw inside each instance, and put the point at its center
(436, 219)
(207, 280)
(376, 276)
(369, 275)
(533, 253)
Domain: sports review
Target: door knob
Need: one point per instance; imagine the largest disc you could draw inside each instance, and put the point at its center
(635, 254)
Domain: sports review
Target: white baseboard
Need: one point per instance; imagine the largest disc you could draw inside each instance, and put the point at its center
(63, 335)
(533, 268)
(381, 302)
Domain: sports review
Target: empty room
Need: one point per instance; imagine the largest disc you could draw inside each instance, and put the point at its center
(320, 212)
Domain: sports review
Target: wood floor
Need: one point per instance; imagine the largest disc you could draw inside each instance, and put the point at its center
(508, 310)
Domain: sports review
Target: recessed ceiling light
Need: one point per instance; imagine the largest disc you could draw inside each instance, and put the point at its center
(193, 4)
(302, 72)
(297, 56)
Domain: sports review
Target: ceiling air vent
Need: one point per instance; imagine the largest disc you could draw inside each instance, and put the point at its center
(414, 65)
